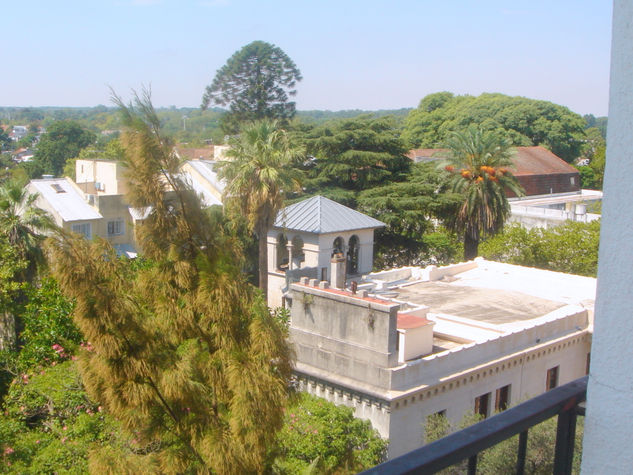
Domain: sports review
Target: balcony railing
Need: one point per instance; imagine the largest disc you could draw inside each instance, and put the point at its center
(467, 443)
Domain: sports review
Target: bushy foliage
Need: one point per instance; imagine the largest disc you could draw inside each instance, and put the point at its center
(523, 121)
(49, 425)
(185, 353)
(49, 333)
(355, 154)
(326, 438)
(62, 140)
(571, 247)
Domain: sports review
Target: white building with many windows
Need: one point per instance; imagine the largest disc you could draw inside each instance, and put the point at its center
(412, 342)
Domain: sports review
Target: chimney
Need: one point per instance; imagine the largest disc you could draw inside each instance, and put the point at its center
(338, 262)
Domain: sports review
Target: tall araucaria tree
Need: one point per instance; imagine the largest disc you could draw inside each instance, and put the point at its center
(259, 174)
(478, 167)
(255, 83)
(182, 351)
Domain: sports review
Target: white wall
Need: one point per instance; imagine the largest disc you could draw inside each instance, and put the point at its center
(608, 427)
(525, 371)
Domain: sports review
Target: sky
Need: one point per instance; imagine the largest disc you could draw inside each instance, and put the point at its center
(369, 54)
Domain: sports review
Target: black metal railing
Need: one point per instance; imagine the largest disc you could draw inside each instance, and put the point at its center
(467, 443)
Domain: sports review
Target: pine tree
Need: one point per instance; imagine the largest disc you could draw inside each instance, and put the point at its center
(182, 351)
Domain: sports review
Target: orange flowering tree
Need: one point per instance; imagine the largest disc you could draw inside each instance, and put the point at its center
(478, 168)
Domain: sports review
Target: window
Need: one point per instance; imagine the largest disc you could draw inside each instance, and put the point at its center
(323, 273)
(116, 228)
(282, 253)
(297, 250)
(338, 246)
(502, 398)
(352, 255)
(83, 228)
(552, 378)
(573, 180)
(588, 367)
(482, 404)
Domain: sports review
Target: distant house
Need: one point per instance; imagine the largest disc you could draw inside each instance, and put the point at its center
(195, 153)
(202, 177)
(538, 170)
(18, 132)
(94, 205)
(210, 152)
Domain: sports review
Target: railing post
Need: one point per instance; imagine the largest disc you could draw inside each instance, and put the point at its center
(523, 437)
(565, 439)
(472, 465)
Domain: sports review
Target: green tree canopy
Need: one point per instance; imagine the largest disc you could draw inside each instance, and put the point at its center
(408, 209)
(255, 83)
(63, 140)
(571, 247)
(477, 162)
(524, 121)
(184, 353)
(355, 154)
(326, 438)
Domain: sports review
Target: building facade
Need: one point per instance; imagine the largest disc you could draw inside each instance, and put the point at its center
(409, 343)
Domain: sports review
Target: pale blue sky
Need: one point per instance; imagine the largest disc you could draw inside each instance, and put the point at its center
(370, 54)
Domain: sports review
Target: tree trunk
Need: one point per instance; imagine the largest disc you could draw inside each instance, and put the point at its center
(8, 333)
(263, 259)
(471, 246)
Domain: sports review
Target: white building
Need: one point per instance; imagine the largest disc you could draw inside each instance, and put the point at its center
(94, 205)
(412, 342)
(307, 236)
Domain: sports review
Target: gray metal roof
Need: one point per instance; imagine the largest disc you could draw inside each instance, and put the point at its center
(206, 168)
(65, 199)
(322, 216)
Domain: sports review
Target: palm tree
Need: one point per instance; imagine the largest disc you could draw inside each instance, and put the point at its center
(477, 167)
(22, 225)
(258, 175)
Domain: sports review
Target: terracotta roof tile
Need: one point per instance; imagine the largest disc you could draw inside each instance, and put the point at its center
(526, 161)
(407, 321)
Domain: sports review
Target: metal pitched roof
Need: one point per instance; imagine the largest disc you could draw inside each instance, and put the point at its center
(206, 168)
(65, 199)
(322, 216)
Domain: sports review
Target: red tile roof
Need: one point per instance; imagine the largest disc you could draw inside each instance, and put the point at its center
(407, 321)
(526, 160)
(539, 161)
(203, 153)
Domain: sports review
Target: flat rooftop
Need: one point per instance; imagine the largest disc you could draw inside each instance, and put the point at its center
(487, 305)
(500, 296)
